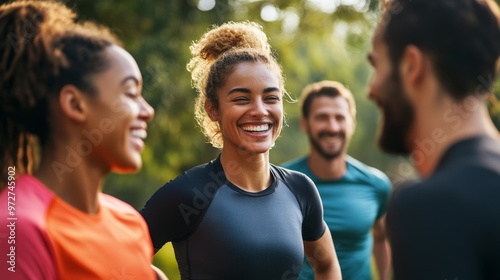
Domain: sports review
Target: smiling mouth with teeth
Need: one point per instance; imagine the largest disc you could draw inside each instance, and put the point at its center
(256, 128)
(140, 133)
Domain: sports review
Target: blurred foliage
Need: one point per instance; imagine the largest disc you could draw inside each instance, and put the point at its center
(311, 45)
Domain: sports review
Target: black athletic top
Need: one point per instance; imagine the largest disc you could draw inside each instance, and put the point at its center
(220, 231)
(448, 226)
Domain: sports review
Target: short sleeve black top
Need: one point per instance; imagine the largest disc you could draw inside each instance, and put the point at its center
(220, 231)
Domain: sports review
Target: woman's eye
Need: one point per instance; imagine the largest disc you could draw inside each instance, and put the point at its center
(240, 99)
(273, 98)
(131, 94)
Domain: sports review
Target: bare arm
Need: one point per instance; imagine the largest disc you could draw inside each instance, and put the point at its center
(381, 249)
(322, 257)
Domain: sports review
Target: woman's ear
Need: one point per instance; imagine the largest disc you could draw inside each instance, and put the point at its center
(212, 112)
(73, 103)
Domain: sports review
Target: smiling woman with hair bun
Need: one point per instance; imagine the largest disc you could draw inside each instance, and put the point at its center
(75, 90)
(238, 216)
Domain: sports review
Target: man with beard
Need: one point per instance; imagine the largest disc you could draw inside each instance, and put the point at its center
(354, 195)
(435, 65)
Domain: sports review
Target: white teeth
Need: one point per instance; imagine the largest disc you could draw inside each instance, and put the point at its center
(256, 128)
(141, 133)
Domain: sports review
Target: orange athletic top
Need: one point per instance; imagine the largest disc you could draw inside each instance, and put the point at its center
(43, 237)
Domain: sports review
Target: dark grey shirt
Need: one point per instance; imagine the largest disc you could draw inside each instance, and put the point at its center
(448, 225)
(220, 231)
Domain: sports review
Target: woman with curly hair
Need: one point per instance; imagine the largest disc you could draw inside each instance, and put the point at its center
(71, 87)
(238, 216)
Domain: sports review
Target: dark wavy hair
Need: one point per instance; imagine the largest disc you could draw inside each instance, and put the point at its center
(462, 37)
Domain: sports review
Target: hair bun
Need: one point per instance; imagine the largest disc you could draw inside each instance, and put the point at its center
(218, 40)
(229, 36)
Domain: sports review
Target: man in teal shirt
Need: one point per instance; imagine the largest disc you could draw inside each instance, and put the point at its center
(354, 195)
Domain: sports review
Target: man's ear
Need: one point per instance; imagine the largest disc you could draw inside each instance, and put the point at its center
(412, 68)
(303, 125)
(73, 103)
(354, 124)
(211, 111)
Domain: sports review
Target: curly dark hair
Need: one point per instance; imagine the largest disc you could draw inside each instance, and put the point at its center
(45, 50)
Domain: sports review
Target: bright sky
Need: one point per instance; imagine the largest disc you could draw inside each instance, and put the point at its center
(269, 12)
(329, 6)
(206, 5)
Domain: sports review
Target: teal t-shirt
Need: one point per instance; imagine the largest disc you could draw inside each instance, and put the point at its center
(351, 205)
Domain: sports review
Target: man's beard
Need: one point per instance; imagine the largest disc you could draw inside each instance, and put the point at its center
(327, 155)
(398, 117)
